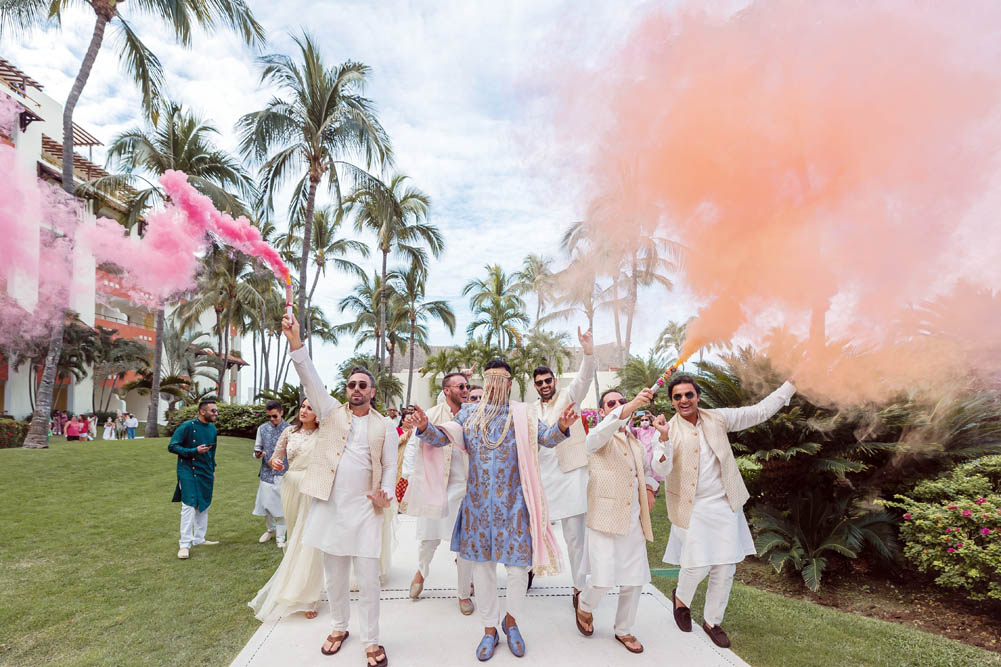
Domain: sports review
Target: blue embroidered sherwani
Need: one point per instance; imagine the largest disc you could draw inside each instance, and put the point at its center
(493, 524)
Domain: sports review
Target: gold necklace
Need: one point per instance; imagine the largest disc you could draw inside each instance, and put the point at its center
(487, 443)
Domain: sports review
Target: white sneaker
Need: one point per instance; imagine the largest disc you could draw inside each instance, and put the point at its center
(266, 536)
(280, 543)
(183, 553)
(207, 543)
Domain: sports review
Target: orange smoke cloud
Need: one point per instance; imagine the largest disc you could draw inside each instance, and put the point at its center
(822, 157)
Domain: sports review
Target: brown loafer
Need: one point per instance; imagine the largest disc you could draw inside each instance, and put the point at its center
(682, 615)
(717, 635)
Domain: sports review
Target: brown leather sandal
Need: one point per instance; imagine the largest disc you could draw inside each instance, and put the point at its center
(378, 654)
(335, 639)
(625, 640)
(580, 626)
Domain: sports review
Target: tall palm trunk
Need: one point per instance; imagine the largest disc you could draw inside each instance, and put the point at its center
(615, 317)
(266, 380)
(410, 373)
(633, 298)
(382, 308)
(307, 239)
(38, 432)
(224, 385)
(253, 346)
(309, 307)
(152, 428)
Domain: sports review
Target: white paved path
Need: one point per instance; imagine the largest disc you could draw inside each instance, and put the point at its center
(431, 632)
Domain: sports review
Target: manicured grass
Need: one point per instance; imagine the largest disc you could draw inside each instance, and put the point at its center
(770, 629)
(90, 573)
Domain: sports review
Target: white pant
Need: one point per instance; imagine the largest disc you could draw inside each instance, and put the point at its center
(717, 592)
(575, 535)
(629, 602)
(337, 571)
(193, 526)
(276, 524)
(464, 567)
(485, 578)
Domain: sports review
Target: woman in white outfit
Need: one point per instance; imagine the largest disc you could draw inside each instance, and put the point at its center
(297, 584)
(109, 429)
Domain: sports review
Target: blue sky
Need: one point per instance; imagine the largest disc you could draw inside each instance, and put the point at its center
(465, 89)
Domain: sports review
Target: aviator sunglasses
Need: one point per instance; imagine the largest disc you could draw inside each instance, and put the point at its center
(612, 402)
(688, 394)
(539, 383)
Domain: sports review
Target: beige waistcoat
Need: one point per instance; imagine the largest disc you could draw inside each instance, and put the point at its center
(331, 438)
(614, 483)
(438, 415)
(572, 452)
(683, 479)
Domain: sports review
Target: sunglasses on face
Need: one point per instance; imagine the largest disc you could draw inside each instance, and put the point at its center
(274, 416)
(461, 387)
(543, 381)
(612, 402)
(213, 410)
(688, 394)
(474, 399)
(361, 384)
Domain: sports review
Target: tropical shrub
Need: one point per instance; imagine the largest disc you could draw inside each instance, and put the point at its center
(12, 432)
(818, 526)
(236, 420)
(288, 397)
(952, 528)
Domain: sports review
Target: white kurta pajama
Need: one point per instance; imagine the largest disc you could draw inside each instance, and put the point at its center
(566, 492)
(618, 560)
(717, 537)
(346, 527)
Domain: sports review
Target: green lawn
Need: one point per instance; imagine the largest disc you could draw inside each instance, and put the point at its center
(770, 629)
(89, 573)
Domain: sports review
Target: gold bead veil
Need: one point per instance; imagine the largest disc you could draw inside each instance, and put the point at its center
(496, 396)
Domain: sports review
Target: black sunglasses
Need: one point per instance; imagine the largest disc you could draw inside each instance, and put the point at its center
(687, 394)
(612, 402)
(460, 387)
(360, 384)
(214, 410)
(539, 383)
(274, 416)
(474, 399)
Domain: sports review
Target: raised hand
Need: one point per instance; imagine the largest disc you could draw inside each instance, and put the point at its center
(643, 399)
(586, 341)
(416, 420)
(660, 423)
(380, 498)
(568, 417)
(290, 327)
(467, 372)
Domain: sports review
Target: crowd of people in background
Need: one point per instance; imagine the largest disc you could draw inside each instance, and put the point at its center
(84, 427)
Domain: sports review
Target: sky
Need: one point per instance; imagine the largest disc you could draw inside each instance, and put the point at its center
(466, 90)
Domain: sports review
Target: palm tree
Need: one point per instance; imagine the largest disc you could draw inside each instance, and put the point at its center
(672, 337)
(181, 16)
(364, 303)
(548, 349)
(416, 310)
(176, 139)
(387, 385)
(113, 358)
(397, 213)
(444, 362)
(499, 309)
(536, 276)
(325, 119)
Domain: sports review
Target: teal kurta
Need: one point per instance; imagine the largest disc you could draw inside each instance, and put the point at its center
(195, 472)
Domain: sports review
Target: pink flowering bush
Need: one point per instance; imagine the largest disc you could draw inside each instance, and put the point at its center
(952, 528)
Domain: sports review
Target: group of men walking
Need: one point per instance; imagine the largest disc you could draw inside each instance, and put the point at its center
(493, 476)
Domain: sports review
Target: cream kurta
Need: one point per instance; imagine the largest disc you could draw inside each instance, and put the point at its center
(566, 492)
(440, 529)
(618, 560)
(716, 535)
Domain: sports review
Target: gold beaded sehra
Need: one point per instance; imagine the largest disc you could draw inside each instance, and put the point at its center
(496, 396)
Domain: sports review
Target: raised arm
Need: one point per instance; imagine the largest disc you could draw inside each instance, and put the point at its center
(663, 451)
(580, 384)
(600, 435)
(551, 435)
(737, 419)
(319, 399)
(426, 431)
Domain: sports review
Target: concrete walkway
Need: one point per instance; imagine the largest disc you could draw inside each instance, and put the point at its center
(431, 632)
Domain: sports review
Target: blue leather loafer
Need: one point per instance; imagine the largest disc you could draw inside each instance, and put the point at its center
(487, 646)
(514, 640)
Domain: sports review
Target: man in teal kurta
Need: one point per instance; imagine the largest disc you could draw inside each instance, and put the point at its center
(194, 442)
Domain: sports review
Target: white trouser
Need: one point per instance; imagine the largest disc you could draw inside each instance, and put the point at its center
(337, 571)
(485, 578)
(275, 524)
(193, 526)
(629, 602)
(717, 593)
(465, 567)
(575, 535)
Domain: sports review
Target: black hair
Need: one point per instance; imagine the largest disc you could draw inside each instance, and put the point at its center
(444, 380)
(542, 370)
(362, 369)
(497, 363)
(682, 379)
(601, 401)
(205, 401)
(475, 386)
(274, 405)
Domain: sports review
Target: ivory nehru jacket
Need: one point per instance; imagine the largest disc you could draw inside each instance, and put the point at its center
(616, 480)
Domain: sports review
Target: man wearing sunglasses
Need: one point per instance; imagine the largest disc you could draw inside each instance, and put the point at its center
(475, 393)
(351, 478)
(269, 491)
(705, 497)
(431, 531)
(564, 469)
(194, 443)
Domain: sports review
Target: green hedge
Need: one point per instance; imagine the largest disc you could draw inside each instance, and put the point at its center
(240, 421)
(12, 433)
(952, 528)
